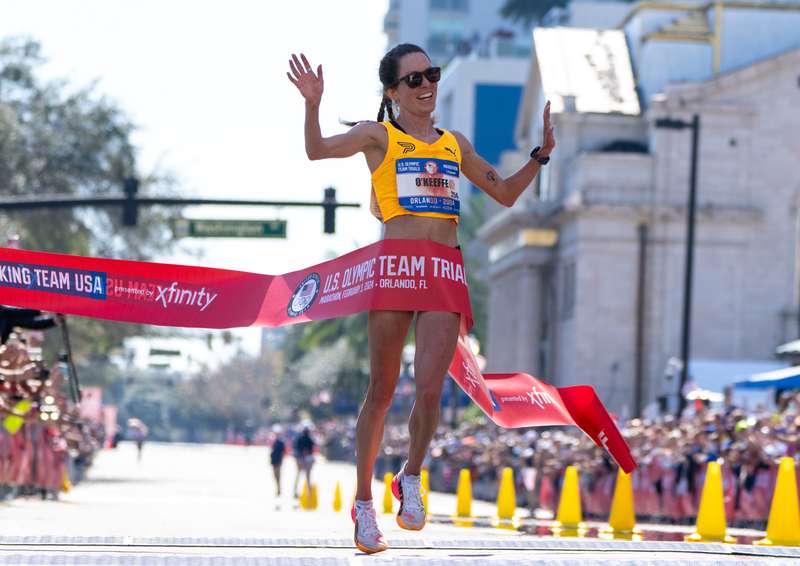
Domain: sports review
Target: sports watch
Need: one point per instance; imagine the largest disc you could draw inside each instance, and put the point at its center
(542, 160)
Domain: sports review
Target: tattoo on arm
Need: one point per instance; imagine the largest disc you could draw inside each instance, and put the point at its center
(492, 177)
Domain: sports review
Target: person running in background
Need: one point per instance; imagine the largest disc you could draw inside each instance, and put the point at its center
(137, 431)
(276, 457)
(304, 456)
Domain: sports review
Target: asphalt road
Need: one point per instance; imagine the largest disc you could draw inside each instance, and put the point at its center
(210, 504)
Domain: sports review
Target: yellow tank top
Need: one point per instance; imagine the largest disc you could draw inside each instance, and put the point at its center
(416, 177)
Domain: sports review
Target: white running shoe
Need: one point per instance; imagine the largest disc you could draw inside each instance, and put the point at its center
(368, 537)
(408, 491)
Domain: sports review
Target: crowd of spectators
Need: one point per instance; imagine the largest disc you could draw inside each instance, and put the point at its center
(671, 454)
(45, 444)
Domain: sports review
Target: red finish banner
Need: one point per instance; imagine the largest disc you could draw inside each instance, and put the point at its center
(408, 275)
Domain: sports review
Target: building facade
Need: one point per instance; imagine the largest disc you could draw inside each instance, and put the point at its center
(587, 268)
(451, 28)
(480, 97)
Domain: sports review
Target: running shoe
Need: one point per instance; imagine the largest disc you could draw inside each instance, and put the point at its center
(367, 536)
(408, 491)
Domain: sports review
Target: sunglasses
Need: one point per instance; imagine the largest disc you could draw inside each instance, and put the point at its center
(414, 78)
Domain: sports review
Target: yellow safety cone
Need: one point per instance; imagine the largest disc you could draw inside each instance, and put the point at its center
(464, 494)
(313, 504)
(305, 497)
(66, 485)
(711, 524)
(506, 501)
(387, 492)
(425, 485)
(783, 525)
(463, 517)
(569, 519)
(337, 497)
(622, 521)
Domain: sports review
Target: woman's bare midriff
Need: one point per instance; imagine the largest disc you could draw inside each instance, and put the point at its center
(409, 227)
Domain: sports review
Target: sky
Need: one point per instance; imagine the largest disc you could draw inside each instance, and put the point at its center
(205, 82)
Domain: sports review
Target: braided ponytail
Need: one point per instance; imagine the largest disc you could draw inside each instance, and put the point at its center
(384, 103)
(388, 106)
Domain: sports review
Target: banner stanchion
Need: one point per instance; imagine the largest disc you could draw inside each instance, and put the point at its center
(72, 371)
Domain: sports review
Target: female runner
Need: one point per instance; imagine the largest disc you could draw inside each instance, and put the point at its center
(418, 200)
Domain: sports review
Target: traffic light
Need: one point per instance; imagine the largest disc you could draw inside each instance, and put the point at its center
(130, 208)
(329, 206)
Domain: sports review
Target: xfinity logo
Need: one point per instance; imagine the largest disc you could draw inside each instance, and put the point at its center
(470, 377)
(536, 397)
(539, 398)
(177, 296)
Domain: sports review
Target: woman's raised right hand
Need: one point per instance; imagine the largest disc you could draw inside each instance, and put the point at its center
(309, 84)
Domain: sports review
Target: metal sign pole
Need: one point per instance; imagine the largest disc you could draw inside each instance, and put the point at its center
(74, 384)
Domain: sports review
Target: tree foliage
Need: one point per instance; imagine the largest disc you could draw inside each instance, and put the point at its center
(475, 262)
(348, 377)
(58, 139)
(239, 395)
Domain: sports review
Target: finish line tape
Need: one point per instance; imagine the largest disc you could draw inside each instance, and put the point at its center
(405, 275)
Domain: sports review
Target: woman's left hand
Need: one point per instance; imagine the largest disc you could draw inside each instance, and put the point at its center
(548, 140)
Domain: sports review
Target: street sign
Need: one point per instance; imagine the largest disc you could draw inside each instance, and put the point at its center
(230, 228)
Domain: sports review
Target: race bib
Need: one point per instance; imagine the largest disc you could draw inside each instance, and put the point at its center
(428, 185)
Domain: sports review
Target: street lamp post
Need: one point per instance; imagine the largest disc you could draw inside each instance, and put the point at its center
(686, 326)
